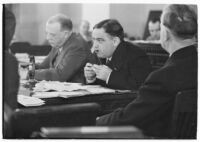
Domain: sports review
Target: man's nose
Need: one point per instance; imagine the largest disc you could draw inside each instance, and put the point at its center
(48, 37)
(95, 45)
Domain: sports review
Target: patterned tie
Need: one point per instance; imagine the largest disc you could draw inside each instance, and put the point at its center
(108, 63)
(55, 60)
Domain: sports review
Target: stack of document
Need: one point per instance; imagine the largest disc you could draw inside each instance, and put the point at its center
(45, 86)
(29, 101)
(60, 94)
(22, 57)
(50, 89)
(96, 89)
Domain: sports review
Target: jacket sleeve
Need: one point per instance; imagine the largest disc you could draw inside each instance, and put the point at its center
(132, 77)
(45, 64)
(148, 108)
(70, 64)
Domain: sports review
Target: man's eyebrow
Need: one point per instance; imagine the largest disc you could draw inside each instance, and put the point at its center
(52, 33)
(98, 38)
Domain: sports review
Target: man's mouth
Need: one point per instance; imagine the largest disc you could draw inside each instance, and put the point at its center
(51, 43)
(96, 51)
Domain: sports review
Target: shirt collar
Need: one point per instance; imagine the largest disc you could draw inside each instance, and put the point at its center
(60, 49)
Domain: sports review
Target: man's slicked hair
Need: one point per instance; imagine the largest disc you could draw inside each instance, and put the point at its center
(181, 20)
(111, 27)
(65, 22)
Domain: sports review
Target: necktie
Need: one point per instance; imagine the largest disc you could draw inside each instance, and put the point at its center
(108, 63)
(55, 60)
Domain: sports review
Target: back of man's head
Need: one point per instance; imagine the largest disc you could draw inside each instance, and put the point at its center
(65, 22)
(9, 26)
(181, 20)
(111, 27)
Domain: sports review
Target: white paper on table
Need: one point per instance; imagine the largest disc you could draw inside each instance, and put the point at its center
(100, 90)
(97, 89)
(66, 90)
(46, 94)
(45, 86)
(22, 57)
(59, 94)
(29, 101)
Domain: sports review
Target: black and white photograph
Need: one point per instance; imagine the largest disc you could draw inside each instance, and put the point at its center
(99, 70)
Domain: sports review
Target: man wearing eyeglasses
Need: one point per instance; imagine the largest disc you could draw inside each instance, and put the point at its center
(68, 56)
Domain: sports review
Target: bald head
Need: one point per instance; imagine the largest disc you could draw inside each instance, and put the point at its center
(58, 30)
(84, 27)
(64, 21)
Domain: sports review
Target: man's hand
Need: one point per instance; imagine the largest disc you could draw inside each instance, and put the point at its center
(23, 72)
(89, 73)
(102, 72)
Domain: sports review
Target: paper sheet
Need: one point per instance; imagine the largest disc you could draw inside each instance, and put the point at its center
(22, 57)
(50, 89)
(59, 94)
(45, 86)
(29, 101)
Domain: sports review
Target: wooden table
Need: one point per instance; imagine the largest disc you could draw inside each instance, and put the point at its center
(108, 102)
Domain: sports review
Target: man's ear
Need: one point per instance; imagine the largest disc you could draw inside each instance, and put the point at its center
(116, 41)
(167, 34)
(66, 34)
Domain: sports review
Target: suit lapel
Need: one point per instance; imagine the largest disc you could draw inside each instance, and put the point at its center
(118, 58)
(54, 55)
(60, 57)
(64, 50)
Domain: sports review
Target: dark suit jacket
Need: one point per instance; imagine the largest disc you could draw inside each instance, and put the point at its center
(68, 65)
(9, 23)
(130, 67)
(11, 80)
(152, 110)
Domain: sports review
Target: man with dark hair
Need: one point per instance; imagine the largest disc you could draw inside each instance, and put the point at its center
(126, 66)
(69, 52)
(154, 29)
(152, 110)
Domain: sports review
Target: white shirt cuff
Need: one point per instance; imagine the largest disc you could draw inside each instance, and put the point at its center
(108, 78)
